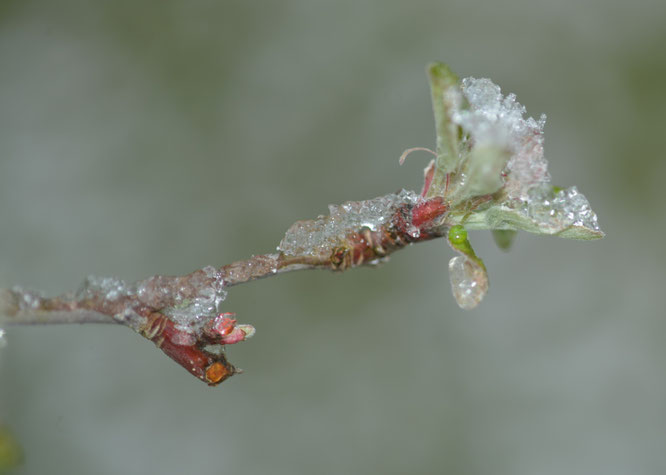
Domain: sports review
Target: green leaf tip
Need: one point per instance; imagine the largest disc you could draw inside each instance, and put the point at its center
(504, 238)
(445, 95)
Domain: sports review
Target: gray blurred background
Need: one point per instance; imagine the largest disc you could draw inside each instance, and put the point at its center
(158, 137)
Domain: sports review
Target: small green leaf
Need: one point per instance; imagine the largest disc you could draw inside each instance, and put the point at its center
(504, 238)
(446, 96)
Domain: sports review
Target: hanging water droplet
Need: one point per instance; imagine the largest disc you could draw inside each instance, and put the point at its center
(469, 282)
(3, 338)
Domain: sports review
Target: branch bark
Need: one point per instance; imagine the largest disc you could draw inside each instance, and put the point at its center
(163, 309)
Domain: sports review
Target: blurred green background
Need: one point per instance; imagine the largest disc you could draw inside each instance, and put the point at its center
(158, 137)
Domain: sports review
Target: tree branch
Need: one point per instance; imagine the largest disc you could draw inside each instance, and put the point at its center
(489, 173)
(180, 314)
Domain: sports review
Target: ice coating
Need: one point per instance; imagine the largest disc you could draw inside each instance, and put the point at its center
(189, 303)
(196, 310)
(318, 236)
(109, 288)
(26, 299)
(561, 209)
(258, 266)
(495, 120)
(469, 282)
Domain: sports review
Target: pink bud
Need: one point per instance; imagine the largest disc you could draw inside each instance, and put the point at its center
(221, 325)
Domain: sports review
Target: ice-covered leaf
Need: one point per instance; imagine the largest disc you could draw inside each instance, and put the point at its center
(490, 165)
(564, 213)
(494, 120)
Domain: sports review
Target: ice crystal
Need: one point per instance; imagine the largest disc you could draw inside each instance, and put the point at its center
(559, 210)
(318, 236)
(469, 281)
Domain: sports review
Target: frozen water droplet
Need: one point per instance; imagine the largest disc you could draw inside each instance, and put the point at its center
(469, 282)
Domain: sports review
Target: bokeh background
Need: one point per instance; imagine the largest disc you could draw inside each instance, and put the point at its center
(158, 137)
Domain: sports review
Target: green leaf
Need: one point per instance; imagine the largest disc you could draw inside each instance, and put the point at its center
(445, 93)
(482, 171)
(504, 238)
